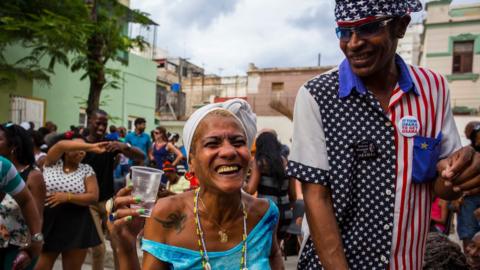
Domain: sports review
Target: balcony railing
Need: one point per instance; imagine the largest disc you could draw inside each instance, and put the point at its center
(169, 105)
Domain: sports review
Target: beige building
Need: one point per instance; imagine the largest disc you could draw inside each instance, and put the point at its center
(452, 47)
(270, 91)
(206, 89)
(409, 47)
(172, 74)
(277, 85)
(260, 87)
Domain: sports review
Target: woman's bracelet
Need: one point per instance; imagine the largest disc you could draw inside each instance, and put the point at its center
(69, 196)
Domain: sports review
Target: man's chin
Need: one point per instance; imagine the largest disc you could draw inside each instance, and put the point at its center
(363, 71)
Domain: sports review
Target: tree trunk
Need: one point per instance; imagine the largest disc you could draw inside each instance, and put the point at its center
(96, 66)
(96, 72)
(93, 101)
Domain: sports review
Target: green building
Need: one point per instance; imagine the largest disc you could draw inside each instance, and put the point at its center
(64, 100)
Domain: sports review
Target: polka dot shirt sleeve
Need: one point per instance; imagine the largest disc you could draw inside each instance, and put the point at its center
(88, 170)
(308, 158)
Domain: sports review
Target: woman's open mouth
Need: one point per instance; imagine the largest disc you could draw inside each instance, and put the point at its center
(228, 169)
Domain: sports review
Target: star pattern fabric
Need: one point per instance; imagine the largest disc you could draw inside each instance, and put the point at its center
(363, 190)
(353, 10)
(379, 175)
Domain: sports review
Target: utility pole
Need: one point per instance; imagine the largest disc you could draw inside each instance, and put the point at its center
(203, 79)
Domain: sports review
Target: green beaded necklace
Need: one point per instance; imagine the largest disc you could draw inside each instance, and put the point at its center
(201, 239)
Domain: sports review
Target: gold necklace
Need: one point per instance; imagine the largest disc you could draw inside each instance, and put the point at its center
(222, 233)
(201, 240)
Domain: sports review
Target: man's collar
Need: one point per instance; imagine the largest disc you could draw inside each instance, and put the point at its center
(348, 81)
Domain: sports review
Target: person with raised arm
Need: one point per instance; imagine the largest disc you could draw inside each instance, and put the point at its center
(71, 188)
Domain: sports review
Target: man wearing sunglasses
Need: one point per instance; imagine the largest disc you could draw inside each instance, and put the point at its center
(368, 137)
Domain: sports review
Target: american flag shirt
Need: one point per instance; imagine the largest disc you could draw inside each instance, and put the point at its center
(379, 164)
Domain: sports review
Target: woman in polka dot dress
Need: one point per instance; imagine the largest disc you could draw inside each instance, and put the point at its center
(71, 187)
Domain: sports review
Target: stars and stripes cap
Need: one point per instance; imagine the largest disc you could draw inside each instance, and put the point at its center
(355, 12)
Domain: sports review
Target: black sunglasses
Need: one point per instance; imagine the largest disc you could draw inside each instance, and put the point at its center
(363, 31)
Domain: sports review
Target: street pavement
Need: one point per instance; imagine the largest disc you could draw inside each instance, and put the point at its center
(290, 264)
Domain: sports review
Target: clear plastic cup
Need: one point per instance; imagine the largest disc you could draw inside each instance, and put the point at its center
(146, 182)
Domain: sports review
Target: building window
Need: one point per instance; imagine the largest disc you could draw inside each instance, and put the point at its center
(130, 123)
(277, 86)
(462, 57)
(82, 118)
(27, 109)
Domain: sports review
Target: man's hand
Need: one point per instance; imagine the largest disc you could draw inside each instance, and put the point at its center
(129, 151)
(461, 171)
(456, 204)
(116, 147)
(98, 148)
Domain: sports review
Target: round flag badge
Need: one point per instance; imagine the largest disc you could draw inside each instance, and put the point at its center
(409, 126)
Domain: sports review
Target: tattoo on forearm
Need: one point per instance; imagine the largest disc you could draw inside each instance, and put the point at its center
(175, 221)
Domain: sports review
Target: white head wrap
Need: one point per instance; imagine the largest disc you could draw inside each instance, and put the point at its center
(239, 108)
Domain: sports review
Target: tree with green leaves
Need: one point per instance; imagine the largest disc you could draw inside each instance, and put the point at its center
(108, 41)
(93, 31)
(47, 30)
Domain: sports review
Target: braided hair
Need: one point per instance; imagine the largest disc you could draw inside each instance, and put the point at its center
(443, 254)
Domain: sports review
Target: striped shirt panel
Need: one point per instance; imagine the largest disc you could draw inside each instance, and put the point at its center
(10, 180)
(413, 201)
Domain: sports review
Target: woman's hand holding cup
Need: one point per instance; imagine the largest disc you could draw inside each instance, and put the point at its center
(124, 223)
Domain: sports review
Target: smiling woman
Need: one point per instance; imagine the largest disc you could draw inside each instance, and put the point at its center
(220, 155)
(216, 226)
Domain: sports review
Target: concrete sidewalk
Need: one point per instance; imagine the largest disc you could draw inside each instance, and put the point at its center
(290, 264)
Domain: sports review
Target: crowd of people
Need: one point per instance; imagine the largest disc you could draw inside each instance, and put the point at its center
(70, 176)
(372, 180)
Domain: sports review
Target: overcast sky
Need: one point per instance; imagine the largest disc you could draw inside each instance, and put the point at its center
(225, 35)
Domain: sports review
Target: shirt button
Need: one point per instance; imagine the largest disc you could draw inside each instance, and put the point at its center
(388, 192)
(386, 227)
(383, 258)
(388, 124)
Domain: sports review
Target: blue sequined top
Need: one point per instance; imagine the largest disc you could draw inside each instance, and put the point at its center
(259, 242)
